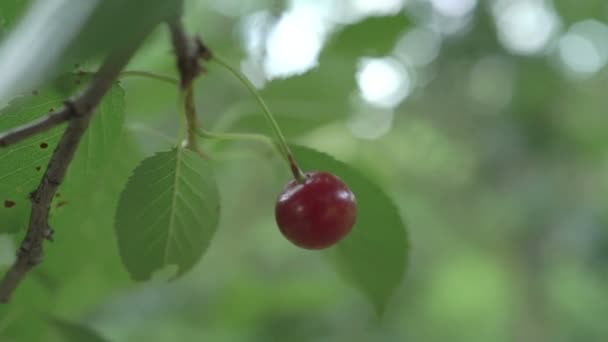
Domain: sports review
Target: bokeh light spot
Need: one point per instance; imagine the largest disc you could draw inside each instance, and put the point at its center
(584, 48)
(525, 26)
(383, 82)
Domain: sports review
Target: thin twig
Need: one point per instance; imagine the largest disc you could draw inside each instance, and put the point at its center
(282, 145)
(148, 74)
(80, 111)
(43, 124)
(191, 122)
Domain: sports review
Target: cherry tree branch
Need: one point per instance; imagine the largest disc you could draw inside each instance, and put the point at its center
(189, 50)
(39, 126)
(78, 113)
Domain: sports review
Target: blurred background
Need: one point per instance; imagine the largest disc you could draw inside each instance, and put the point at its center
(484, 120)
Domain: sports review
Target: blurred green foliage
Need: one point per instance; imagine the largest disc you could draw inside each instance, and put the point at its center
(497, 160)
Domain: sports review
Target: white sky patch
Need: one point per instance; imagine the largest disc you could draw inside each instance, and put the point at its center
(352, 11)
(383, 82)
(525, 26)
(26, 55)
(377, 7)
(253, 29)
(419, 46)
(584, 48)
(454, 8)
(293, 45)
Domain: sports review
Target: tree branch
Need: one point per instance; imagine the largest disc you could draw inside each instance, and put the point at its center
(191, 122)
(17, 134)
(188, 51)
(79, 112)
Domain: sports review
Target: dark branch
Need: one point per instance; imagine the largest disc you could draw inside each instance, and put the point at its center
(79, 112)
(191, 122)
(16, 135)
(189, 50)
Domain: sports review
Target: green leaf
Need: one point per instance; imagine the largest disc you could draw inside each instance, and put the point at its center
(573, 11)
(130, 20)
(90, 234)
(373, 256)
(374, 36)
(74, 332)
(167, 213)
(10, 11)
(99, 143)
(22, 165)
(83, 227)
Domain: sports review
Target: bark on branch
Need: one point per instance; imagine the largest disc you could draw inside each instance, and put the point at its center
(78, 112)
(17, 134)
(189, 50)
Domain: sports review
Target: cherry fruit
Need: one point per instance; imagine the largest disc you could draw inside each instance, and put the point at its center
(316, 213)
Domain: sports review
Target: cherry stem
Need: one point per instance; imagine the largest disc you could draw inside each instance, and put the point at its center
(250, 137)
(148, 74)
(282, 145)
(191, 121)
(140, 73)
(138, 127)
(236, 136)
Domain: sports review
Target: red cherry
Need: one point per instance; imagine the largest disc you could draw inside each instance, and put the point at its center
(317, 213)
